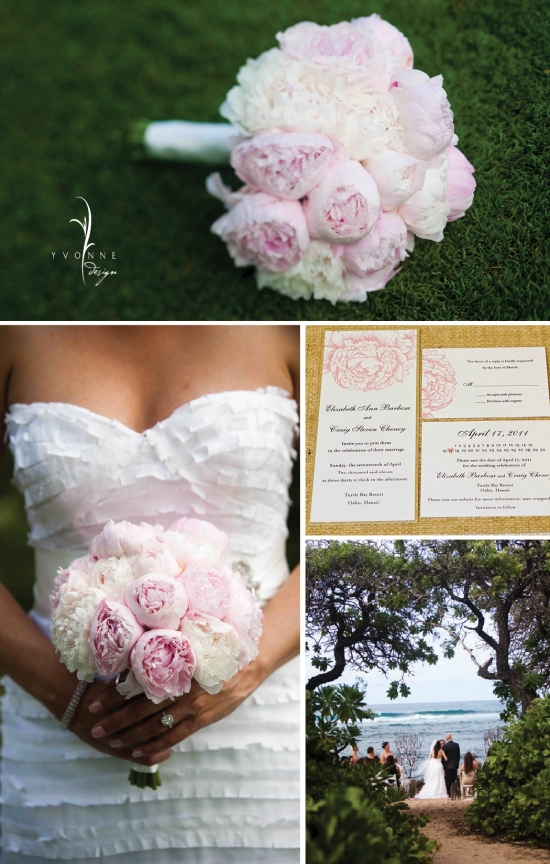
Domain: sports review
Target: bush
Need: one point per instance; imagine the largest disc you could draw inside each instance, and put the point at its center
(359, 819)
(513, 787)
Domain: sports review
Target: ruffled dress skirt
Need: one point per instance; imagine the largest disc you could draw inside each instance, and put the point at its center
(229, 794)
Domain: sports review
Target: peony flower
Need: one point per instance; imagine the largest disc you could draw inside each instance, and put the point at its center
(196, 541)
(438, 382)
(283, 164)
(424, 112)
(426, 212)
(157, 601)
(397, 176)
(368, 361)
(156, 561)
(113, 634)
(207, 590)
(384, 247)
(460, 183)
(340, 48)
(216, 648)
(74, 578)
(264, 231)
(112, 575)
(389, 36)
(162, 661)
(71, 623)
(245, 615)
(344, 207)
(125, 538)
(276, 91)
(357, 287)
(130, 686)
(320, 274)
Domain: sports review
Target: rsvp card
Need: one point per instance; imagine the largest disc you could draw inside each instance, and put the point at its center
(486, 468)
(366, 435)
(484, 382)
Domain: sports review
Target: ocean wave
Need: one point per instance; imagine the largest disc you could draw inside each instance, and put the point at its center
(427, 716)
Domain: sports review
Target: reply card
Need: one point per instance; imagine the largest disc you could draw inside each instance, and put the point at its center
(484, 382)
(486, 468)
(366, 436)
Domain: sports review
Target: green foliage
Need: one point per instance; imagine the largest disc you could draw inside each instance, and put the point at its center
(76, 75)
(354, 817)
(332, 715)
(513, 787)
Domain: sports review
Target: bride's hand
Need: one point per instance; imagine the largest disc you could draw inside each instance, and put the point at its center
(133, 728)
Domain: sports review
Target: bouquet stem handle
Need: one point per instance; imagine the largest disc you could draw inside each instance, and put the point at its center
(145, 776)
(183, 141)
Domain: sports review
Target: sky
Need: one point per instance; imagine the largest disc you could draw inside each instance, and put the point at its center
(452, 680)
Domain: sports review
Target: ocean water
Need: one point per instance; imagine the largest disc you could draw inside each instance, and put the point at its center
(466, 721)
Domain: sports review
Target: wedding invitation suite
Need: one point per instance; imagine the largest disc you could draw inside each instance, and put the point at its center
(484, 382)
(366, 437)
(486, 468)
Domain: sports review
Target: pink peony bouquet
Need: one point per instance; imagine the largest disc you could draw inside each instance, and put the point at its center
(346, 154)
(158, 608)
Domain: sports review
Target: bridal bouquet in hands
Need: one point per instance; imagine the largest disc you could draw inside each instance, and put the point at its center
(158, 608)
(347, 154)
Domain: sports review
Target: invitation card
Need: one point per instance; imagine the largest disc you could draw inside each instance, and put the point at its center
(486, 468)
(484, 382)
(366, 436)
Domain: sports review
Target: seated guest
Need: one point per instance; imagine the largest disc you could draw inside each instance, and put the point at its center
(392, 768)
(477, 764)
(467, 770)
(344, 761)
(370, 754)
(354, 754)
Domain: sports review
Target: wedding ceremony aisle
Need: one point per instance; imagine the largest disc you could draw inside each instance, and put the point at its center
(459, 844)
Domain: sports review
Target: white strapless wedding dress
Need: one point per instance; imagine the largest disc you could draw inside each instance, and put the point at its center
(230, 793)
(434, 780)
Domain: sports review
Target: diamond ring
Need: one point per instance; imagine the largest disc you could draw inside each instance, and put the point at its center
(167, 720)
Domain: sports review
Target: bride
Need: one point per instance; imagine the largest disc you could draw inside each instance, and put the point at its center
(434, 775)
(151, 423)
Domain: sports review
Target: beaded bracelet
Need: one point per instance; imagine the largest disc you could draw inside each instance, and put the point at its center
(73, 704)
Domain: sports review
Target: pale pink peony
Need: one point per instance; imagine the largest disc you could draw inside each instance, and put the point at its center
(424, 112)
(320, 274)
(460, 183)
(157, 601)
(162, 661)
(207, 590)
(196, 541)
(283, 164)
(438, 382)
(156, 561)
(344, 207)
(71, 623)
(113, 634)
(264, 231)
(397, 176)
(339, 48)
(112, 575)
(369, 360)
(357, 287)
(426, 212)
(125, 538)
(216, 647)
(389, 36)
(245, 615)
(384, 247)
(74, 577)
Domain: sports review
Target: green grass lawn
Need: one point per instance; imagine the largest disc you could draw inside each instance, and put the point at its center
(75, 75)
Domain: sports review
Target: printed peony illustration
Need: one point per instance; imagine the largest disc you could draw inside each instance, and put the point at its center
(438, 382)
(347, 154)
(368, 361)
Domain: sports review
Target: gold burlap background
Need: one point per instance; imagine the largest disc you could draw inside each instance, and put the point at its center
(429, 336)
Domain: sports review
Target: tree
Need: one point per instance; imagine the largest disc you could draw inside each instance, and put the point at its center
(498, 591)
(332, 715)
(408, 747)
(364, 611)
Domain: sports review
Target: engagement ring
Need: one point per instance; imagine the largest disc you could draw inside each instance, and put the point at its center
(167, 720)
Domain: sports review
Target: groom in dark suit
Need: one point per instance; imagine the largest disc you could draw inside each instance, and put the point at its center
(450, 765)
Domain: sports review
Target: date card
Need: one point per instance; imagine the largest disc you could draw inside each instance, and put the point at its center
(484, 382)
(366, 437)
(486, 468)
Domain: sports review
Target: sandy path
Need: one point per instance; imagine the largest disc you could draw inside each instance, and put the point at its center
(460, 846)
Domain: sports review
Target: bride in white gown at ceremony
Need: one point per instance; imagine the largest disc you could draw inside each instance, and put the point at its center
(434, 774)
(147, 423)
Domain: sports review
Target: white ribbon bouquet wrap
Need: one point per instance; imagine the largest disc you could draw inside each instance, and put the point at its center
(157, 608)
(346, 152)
